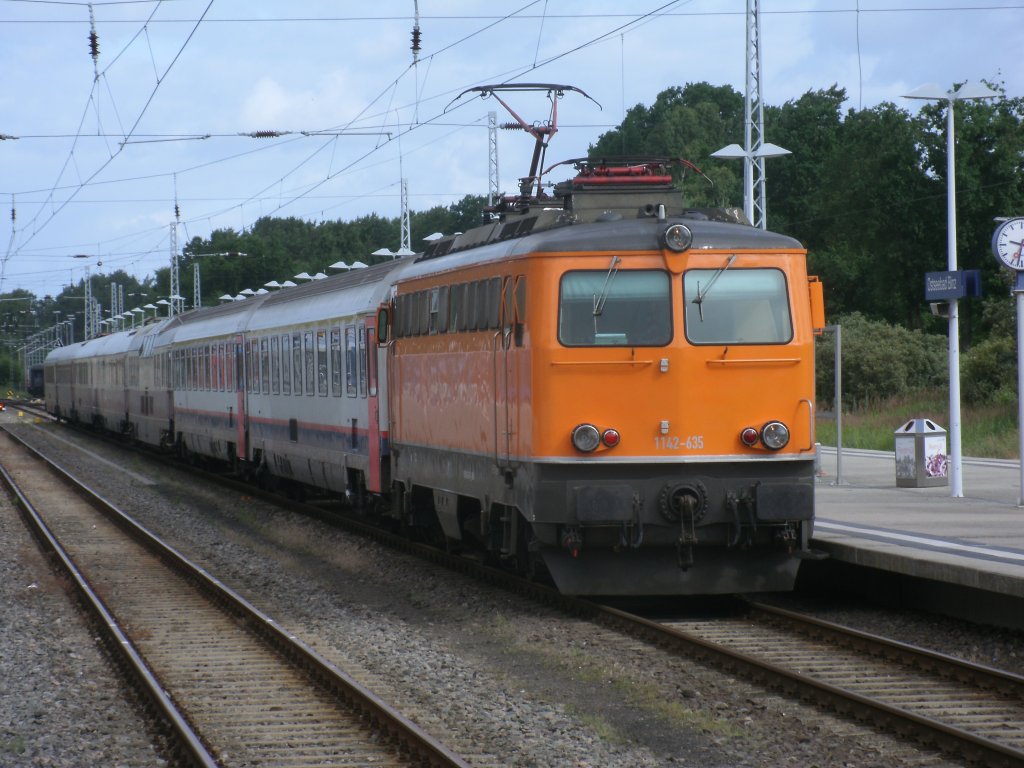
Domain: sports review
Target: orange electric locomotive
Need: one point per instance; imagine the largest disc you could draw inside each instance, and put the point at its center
(624, 394)
(611, 386)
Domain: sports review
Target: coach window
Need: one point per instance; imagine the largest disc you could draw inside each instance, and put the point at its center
(615, 308)
(240, 381)
(286, 364)
(275, 366)
(432, 318)
(350, 361)
(223, 365)
(737, 306)
(310, 362)
(296, 364)
(265, 366)
(207, 374)
(361, 358)
(336, 362)
(253, 366)
(321, 362)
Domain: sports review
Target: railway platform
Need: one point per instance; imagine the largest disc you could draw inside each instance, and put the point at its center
(920, 545)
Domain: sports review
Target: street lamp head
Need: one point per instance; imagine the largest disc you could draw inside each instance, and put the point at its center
(730, 152)
(932, 92)
(928, 91)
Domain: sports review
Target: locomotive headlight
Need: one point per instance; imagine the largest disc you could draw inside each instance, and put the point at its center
(677, 237)
(775, 435)
(586, 438)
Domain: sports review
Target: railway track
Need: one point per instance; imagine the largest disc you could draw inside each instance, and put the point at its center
(963, 708)
(232, 686)
(960, 708)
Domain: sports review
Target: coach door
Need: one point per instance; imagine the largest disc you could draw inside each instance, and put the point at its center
(377, 421)
(241, 385)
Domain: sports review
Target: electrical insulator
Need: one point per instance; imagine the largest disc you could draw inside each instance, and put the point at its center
(265, 134)
(177, 212)
(94, 45)
(415, 39)
(511, 127)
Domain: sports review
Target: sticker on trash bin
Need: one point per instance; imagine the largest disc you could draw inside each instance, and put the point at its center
(935, 459)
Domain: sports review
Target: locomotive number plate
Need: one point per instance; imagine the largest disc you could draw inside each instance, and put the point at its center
(677, 443)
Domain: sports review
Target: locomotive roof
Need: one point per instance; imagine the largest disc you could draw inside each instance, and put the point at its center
(620, 205)
(615, 234)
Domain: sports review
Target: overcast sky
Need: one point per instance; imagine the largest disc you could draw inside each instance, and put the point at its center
(106, 148)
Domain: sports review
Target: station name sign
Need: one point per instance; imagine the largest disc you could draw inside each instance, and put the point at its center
(959, 284)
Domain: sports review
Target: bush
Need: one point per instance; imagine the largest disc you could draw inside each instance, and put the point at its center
(988, 372)
(879, 361)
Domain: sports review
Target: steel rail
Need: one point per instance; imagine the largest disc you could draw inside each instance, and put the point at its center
(417, 743)
(972, 746)
(896, 719)
(186, 739)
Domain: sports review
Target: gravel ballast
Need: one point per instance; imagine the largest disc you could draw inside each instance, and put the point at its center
(500, 679)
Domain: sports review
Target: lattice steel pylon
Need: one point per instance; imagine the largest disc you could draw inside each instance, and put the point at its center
(755, 149)
(406, 237)
(90, 311)
(753, 123)
(175, 296)
(493, 185)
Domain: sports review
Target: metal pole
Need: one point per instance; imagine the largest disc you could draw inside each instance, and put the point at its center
(955, 457)
(838, 403)
(1018, 291)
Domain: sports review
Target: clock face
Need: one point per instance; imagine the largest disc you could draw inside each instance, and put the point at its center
(1008, 243)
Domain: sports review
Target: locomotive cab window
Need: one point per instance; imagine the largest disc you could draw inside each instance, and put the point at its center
(737, 306)
(613, 308)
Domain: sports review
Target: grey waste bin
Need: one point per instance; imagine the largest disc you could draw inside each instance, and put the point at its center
(921, 459)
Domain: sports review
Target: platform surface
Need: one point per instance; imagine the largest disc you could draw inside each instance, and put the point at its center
(975, 541)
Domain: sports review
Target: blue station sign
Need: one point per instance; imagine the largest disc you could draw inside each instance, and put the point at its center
(959, 284)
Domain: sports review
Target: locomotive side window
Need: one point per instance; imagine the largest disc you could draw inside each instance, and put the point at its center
(737, 306)
(613, 308)
(491, 316)
(433, 311)
(457, 310)
(442, 309)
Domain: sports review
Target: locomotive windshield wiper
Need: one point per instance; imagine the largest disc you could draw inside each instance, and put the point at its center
(602, 299)
(699, 300)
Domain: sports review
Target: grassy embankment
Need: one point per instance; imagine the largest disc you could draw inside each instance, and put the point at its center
(989, 431)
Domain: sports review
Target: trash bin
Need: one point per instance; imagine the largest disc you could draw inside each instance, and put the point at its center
(921, 459)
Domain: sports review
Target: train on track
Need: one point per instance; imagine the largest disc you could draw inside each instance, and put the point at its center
(597, 383)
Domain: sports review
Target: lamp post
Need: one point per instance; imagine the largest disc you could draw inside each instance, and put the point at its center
(197, 297)
(934, 93)
(751, 158)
